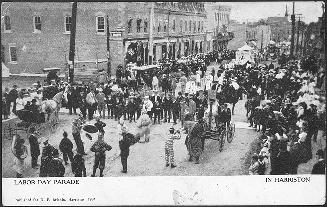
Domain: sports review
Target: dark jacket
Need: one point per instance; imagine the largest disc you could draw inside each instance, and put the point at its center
(100, 147)
(34, 145)
(124, 145)
(167, 103)
(110, 102)
(13, 95)
(56, 168)
(176, 106)
(319, 167)
(66, 145)
(100, 125)
(152, 98)
(78, 166)
(284, 162)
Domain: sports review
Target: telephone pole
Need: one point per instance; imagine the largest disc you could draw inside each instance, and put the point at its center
(293, 31)
(108, 49)
(151, 25)
(261, 40)
(298, 34)
(72, 43)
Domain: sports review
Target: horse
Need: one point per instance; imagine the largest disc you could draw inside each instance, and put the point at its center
(229, 95)
(53, 105)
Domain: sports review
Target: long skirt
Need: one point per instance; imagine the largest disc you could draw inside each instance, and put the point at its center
(18, 165)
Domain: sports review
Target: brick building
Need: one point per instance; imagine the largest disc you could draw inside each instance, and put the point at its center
(218, 19)
(281, 28)
(257, 34)
(35, 35)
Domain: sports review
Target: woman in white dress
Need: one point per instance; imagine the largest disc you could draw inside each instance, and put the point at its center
(20, 153)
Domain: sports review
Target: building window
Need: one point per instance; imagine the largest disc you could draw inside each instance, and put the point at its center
(129, 25)
(37, 24)
(199, 27)
(165, 27)
(145, 25)
(181, 26)
(13, 53)
(185, 26)
(174, 25)
(138, 25)
(100, 24)
(159, 26)
(190, 26)
(7, 24)
(202, 26)
(68, 24)
(194, 26)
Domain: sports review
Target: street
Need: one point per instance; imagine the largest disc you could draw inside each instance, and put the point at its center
(147, 159)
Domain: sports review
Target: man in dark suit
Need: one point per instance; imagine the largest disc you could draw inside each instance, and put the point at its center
(34, 147)
(13, 95)
(66, 147)
(155, 97)
(320, 166)
(167, 104)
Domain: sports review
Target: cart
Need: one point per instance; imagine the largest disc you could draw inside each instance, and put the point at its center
(220, 132)
(37, 121)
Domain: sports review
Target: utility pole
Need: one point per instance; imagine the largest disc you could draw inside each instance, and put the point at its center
(151, 33)
(108, 49)
(261, 40)
(298, 34)
(72, 43)
(168, 28)
(293, 31)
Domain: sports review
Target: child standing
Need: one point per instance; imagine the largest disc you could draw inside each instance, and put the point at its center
(169, 147)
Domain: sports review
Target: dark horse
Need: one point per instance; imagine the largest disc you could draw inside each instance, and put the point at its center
(230, 95)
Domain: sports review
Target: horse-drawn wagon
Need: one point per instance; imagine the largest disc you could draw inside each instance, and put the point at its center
(215, 131)
(38, 121)
(47, 118)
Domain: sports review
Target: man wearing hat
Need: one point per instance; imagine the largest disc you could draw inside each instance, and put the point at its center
(313, 125)
(169, 147)
(101, 100)
(289, 113)
(46, 157)
(34, 109)
(12, 97)
(131, 108)
(91, 102)
(320, 166)
(100, 147)
(56, 167)
(34, 147)
(147, 106)
(76, 131)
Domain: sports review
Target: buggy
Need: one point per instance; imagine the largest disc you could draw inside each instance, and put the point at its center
(212, 131)
(29, 120)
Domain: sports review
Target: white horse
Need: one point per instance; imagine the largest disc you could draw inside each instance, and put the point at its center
(215, 106)
(54, 105)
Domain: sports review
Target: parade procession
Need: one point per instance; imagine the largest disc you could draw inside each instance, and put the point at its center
(161, 88)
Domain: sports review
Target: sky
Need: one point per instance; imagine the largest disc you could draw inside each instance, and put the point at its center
(253, 11)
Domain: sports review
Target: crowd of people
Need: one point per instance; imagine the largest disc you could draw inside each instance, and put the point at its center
(289, 113)
(290, 117)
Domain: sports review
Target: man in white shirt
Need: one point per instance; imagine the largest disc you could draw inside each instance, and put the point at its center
(147, 105)
(91, 104)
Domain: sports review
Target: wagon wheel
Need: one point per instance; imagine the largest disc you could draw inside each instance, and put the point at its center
(222, 140)
(231, 133)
